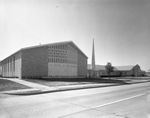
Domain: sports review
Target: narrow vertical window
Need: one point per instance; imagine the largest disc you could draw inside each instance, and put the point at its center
(8, 64)
(14, 63)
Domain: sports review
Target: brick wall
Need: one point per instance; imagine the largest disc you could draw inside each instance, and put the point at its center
(35, 62)
(82, 65)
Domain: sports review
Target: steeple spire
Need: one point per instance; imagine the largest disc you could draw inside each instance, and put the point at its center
(93, 57)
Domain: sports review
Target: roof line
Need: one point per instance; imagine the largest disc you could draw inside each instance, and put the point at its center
(11, 55)
(78, 48)
(36, 46)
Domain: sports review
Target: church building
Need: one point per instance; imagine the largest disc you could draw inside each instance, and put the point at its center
(63, 59)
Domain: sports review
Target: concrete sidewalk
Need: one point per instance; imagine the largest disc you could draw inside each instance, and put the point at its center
(57, 89)
(30, 84)
(38, 88)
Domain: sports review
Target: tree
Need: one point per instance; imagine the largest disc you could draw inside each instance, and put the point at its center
(109, 68)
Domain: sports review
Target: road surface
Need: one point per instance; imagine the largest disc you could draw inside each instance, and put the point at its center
(126, 101)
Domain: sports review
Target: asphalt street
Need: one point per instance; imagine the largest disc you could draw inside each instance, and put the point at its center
(126, 101)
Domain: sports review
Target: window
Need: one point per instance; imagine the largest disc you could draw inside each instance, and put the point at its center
(8, 64)
(11, 64)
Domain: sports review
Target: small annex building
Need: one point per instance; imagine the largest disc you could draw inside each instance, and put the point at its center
(63, 59)
(131, 70)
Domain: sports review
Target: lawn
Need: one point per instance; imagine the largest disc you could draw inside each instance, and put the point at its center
(6, 85)
(71, 81)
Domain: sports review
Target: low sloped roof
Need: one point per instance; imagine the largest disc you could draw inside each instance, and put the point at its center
(119, 68)
(57, 43)
(124, 68)
(97, 67)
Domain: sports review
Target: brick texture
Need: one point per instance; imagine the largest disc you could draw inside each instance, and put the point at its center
(35, 62)
(82, 65)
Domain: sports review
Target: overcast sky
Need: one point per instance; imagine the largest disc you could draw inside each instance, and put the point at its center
(120, 28)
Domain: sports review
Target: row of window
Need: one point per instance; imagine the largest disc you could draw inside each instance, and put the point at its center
(58, 47)
(59, 60)
(62, 54)
(56, 54)
(9, 64)
(70, 54)
(55, 51)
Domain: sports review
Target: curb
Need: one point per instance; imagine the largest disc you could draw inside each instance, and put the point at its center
(63, 88)
(58, 89)
(20, 91)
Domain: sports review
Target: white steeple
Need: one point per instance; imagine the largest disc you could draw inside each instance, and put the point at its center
(93, 57)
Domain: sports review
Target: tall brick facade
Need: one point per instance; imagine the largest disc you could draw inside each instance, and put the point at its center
(34, 62)
(49, 60)
(82, 64)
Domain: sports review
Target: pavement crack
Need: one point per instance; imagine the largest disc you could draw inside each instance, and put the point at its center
(119, 115)
(74, 104)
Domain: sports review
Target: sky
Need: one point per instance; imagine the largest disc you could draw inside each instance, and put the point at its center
(120, 28)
